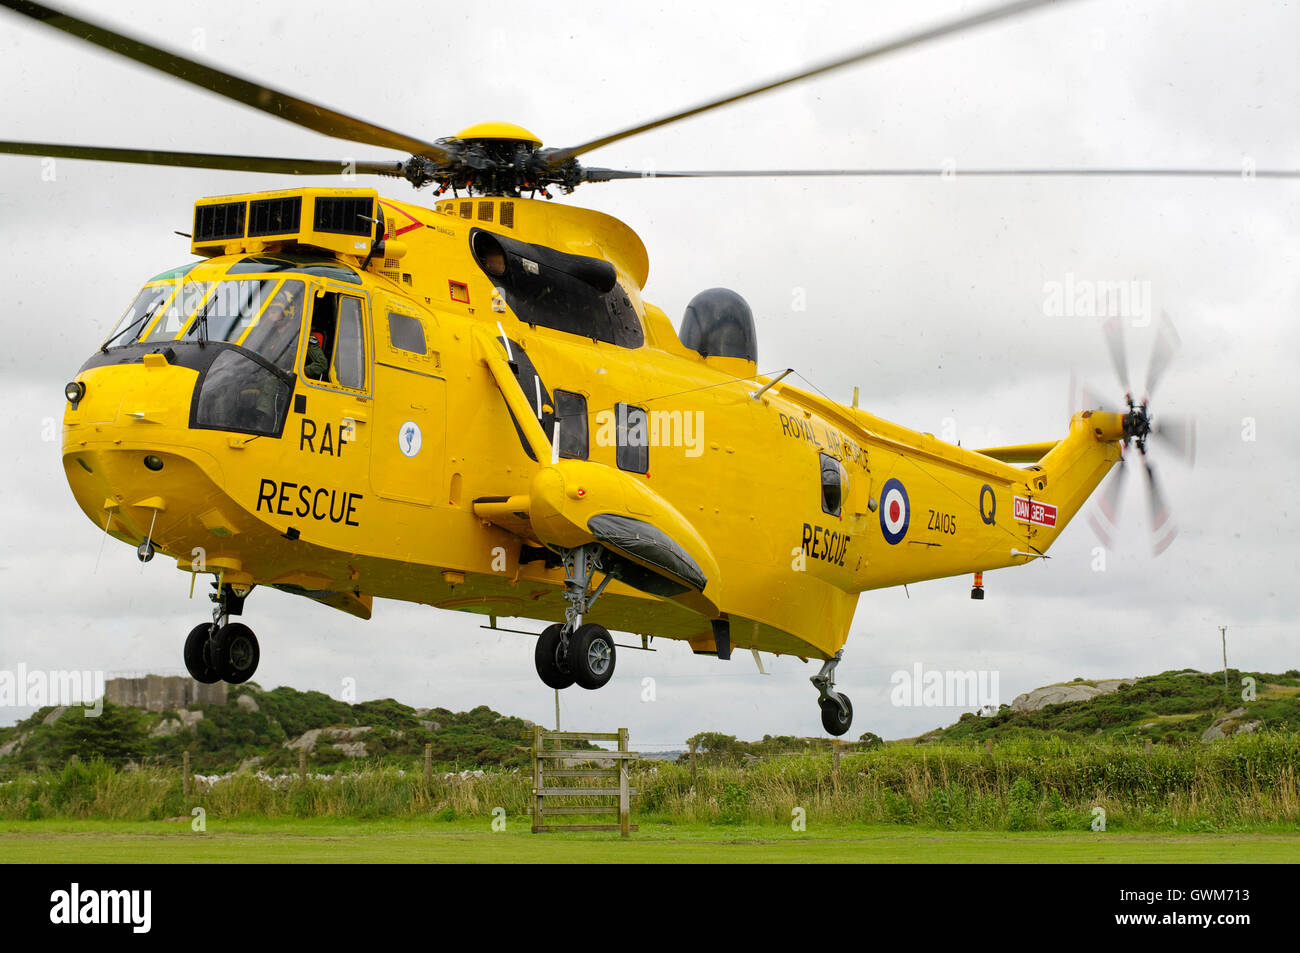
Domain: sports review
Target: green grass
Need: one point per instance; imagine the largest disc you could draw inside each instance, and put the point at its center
(407, 841)
(1242, 784)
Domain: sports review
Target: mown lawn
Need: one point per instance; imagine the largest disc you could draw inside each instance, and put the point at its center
(329, 840)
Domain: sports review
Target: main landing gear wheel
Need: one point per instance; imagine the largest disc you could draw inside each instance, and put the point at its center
(591, 655)
(196, 655)
(837, 710)
(836, 720)
(234, 652)
(550, 658)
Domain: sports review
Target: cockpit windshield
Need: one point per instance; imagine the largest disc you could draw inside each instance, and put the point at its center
(178, 313)
(143, 309)
(275, 336)
(231, 309)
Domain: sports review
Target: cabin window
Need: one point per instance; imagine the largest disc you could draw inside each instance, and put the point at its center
(337, 324)
(571, 422)
(832, 484)
(349, 351)
(405, 333)
(633, 430)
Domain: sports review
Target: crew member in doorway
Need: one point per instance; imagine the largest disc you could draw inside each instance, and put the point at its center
(317, 365)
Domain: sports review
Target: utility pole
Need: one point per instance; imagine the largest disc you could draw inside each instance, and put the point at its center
(1223, 634)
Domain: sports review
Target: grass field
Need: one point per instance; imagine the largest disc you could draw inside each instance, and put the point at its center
(333, 840)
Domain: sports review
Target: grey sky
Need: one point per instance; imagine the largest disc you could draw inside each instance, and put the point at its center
(928, 295)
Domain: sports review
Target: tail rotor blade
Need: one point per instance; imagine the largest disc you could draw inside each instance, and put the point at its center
(1163, 529)
(1178, 433)
(1106, 523)
(1167, 342)
(1114, 331)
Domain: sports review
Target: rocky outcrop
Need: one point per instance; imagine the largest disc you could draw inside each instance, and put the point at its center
(1067, 692)
(1233, 723)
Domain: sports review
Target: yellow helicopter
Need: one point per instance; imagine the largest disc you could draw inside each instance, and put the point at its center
(470, 406)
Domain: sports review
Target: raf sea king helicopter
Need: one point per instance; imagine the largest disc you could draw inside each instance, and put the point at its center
(470, 405)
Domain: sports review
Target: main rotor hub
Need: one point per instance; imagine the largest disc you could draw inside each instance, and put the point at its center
(494, 158)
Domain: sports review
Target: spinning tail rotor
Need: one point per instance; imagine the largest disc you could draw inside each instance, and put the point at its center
(1176, 433)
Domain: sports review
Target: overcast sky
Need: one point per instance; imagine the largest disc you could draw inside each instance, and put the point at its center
(929, 295)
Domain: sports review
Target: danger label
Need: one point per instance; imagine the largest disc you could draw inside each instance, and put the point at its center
(1032, 511)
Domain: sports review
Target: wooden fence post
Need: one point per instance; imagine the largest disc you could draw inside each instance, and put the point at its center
(693, 763)
(835, 760)
(1149, 746)
(988, 746)
(428, 762)
(185, 775)
(302, 764)
(624, 795)
(538, 732)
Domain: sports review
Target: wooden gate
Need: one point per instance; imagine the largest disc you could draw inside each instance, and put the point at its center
(554, 792)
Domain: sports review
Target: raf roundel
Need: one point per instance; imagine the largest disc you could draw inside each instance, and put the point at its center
(895, 512)
(409, 438)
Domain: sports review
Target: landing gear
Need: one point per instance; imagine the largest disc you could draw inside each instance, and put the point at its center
(577, 652)
(550, 658)
(234, 652)
(196, 655)
(591, 655)
(837, 710)
(221, 650)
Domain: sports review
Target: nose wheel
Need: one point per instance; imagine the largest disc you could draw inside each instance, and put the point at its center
(837, 710)
(221, 650)
(577, 652)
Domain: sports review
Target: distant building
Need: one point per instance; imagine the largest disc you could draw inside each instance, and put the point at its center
(163, 692)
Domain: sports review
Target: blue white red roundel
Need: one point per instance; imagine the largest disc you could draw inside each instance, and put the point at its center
(895, 512)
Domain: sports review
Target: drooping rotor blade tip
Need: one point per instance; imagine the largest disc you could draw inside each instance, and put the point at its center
(301, 112)
(203, 160)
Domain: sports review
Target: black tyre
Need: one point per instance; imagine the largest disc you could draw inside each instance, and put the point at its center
(591, 655)
(835, 721)
(196, 655)
(235, 652)
(549, 658)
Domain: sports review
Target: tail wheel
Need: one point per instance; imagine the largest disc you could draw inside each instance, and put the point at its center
(196, 655)
(549, 657)
(235, 652)
(591, 655)
(836, 720)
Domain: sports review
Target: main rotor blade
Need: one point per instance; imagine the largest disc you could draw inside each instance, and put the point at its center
(860, 56)
(202, 160)
(1114, 331)
(1162, 352)
(298, 111)
(595, 174)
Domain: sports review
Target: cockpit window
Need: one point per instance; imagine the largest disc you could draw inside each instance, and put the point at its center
(179, 311)
(231, 309)
(143, 309)
(275, 336)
